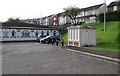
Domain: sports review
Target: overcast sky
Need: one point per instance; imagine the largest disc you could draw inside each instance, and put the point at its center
(26, 9)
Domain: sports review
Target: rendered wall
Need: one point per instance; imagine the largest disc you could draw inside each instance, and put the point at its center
(6, 34)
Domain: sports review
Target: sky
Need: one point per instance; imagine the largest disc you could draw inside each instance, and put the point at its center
(28, 9)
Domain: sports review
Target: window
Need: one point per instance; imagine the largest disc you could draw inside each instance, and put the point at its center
(23, 34)
(93, 10)
(115, 8)
(54, 18)
(36, 33)
(82, 14)
(86, 13)
(42, 32)
(26, 33)
(13, 32)
(92, 19)
(54, 33)
(47, 33)
(6, 34)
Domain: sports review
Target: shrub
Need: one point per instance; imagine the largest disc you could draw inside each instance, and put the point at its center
(110, 16)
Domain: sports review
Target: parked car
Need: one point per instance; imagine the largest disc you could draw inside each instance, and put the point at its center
(50, 39)
(40, 37)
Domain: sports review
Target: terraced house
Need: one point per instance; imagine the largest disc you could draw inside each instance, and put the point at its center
(90, 14)
(114, 6)
(87, 15)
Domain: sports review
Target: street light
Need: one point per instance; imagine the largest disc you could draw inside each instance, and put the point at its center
(104, 15)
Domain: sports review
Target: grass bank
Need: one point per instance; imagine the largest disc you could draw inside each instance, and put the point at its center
(106, 40)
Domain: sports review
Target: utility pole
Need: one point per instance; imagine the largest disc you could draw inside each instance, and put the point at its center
(104, 15)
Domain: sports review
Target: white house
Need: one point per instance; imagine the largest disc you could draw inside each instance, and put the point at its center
(17, 31)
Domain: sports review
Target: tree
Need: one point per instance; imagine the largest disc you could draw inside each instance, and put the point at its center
(72, 12)
(13, 20)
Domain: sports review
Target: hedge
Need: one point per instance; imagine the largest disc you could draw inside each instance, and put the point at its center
(110, 16)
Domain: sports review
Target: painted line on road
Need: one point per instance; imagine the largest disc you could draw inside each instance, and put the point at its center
(116, 63)
(99, 56)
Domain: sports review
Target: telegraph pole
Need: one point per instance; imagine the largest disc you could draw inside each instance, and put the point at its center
(104, 15)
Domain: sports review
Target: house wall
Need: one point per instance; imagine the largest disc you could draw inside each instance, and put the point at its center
(112, 8)
(23, 34)
(102, 9)
(89, 16)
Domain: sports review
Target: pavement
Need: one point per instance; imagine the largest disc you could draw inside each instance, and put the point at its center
(95, 53)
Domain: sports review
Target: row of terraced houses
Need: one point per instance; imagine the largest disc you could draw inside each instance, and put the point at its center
(87, 15)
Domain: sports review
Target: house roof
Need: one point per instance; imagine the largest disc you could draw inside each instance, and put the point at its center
(21, 24)
(114, 3)
(91, 7)
(24, 25)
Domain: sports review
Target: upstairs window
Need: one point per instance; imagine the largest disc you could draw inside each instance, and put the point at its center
(93, 12)
(86, 13)
(115, 8)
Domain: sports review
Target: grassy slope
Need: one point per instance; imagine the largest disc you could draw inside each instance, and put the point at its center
(108, 40)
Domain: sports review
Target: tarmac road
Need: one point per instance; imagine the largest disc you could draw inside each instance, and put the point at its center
(35, 58)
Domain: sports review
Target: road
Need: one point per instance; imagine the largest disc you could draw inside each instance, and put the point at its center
(35, 58)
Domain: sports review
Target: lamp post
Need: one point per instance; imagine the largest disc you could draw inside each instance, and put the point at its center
(104, 15)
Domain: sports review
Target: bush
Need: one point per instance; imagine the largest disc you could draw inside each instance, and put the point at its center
(110, 16)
